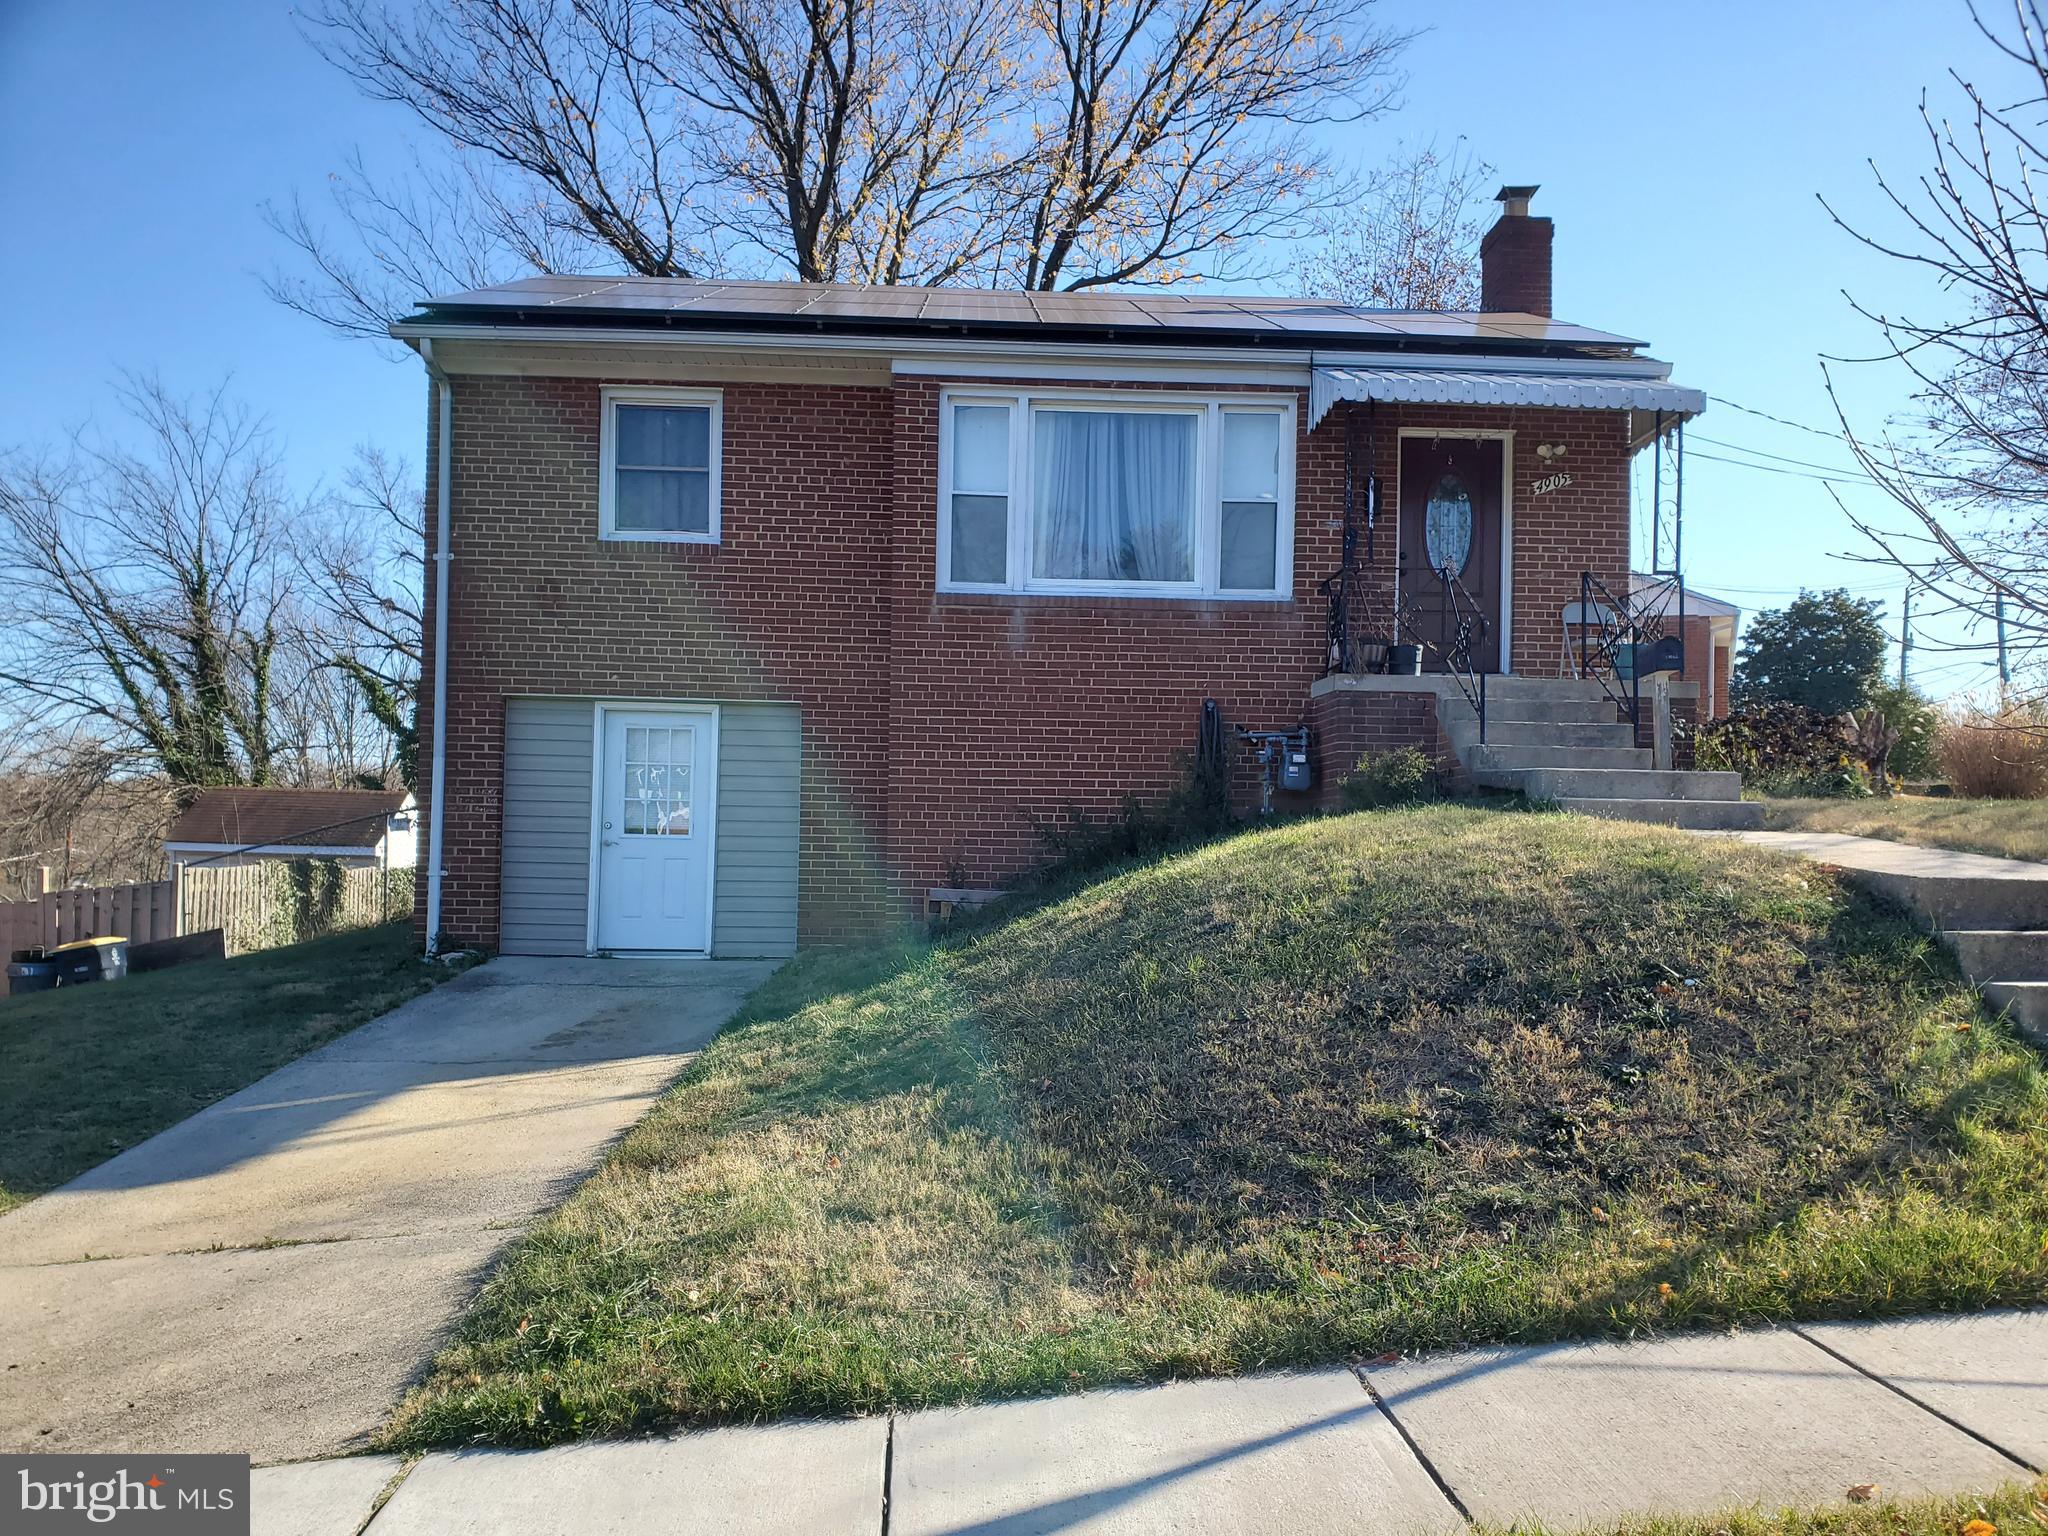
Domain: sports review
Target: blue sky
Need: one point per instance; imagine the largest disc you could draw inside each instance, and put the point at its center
(1679, 150)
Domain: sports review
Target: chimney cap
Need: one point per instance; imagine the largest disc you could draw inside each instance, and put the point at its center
(1514, 201)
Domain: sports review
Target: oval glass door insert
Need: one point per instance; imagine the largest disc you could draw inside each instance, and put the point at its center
(1447, 525)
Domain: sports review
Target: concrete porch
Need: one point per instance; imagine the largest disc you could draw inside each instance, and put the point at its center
(1549, 738)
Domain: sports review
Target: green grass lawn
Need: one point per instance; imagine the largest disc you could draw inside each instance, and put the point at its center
(2012, 829)
(87, 1071)
(1381, 1082)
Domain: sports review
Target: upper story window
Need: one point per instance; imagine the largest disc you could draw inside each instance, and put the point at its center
(1162, 496)
(659, 465)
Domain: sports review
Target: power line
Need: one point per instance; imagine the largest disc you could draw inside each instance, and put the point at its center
(1712, 587)
(1750, 410)
(1701, 437)
(1772, 469)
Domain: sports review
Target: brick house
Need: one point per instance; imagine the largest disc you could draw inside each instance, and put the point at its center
(761, 611)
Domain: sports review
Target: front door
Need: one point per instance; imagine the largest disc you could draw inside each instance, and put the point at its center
(654, 830)
(1451, 547)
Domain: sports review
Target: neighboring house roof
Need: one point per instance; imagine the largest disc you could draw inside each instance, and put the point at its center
(1696, 602)
(1199, 318)
(289, 818)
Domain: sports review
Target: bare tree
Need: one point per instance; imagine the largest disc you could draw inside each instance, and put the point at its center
(1170, 131)
(364, 563)
(153, 606)
(1968, 467)
(1060, 144)
(144, 596)
(74, 804)
(1410, 240)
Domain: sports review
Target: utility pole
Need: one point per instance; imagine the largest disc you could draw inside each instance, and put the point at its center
(2004, 670)
(1906, 641)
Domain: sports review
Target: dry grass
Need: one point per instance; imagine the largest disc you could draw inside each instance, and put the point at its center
(1996, 756)
(2011, 829)
(1388, 1081)
(2014, 1510)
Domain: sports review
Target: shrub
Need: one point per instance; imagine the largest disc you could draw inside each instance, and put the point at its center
(1400, 777)
(1782, 748)
(1905, 708)
(1851, 781)
(1997, 756)
(1077, 843)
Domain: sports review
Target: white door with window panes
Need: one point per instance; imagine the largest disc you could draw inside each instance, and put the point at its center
(654, 830)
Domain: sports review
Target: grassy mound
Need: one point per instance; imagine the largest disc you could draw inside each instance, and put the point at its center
(1382, 1082)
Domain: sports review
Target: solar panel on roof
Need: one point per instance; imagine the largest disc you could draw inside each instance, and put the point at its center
(852, 305)
(1209, 312)
(1237, 315)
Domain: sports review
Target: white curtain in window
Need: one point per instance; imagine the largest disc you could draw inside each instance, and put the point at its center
(1115, 495)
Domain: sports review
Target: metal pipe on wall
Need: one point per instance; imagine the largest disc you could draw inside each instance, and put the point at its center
(438, 773)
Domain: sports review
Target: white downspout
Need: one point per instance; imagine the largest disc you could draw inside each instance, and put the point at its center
(438, 775)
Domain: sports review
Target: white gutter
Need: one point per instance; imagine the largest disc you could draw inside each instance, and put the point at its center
(438, 777)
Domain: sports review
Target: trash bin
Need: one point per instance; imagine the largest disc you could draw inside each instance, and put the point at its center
(30, 970)
(85, 960)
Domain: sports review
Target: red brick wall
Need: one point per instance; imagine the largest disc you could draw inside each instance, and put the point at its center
(791, 605)
(1514, 261)
(1558, 534)
(935, 725)
(1009, 707)
(1705, 664)
(1346, 724)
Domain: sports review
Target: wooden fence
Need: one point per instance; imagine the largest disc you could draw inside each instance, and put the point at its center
(258, 906)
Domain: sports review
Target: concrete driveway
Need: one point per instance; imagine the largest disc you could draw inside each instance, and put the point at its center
(267, 1276)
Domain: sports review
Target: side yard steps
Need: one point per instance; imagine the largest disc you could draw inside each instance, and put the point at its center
(1993, 913)
(1557, 739)
(1996, 958)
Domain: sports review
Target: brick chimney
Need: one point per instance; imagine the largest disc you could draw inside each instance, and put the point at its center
(1514, 257)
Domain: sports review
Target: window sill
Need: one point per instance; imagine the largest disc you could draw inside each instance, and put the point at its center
(945, 598)
(657, 538)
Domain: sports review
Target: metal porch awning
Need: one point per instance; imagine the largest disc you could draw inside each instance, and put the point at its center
(1645, 395)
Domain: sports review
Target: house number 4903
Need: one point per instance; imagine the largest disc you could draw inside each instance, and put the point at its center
(1548, 483)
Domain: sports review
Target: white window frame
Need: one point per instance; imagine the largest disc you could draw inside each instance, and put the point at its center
(1210, 408)
(612, 397)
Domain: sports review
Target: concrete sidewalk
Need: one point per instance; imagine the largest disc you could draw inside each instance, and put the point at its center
(1570, 1435)
(268, 1275)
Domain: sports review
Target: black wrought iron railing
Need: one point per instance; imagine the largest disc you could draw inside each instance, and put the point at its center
(1462, 631)
(1623, 638)
(1356, 643)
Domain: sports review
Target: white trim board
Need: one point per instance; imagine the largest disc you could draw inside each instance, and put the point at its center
(943, 352)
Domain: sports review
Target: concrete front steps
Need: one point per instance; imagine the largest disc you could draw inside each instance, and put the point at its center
(1557, 739)
(1993, 913)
